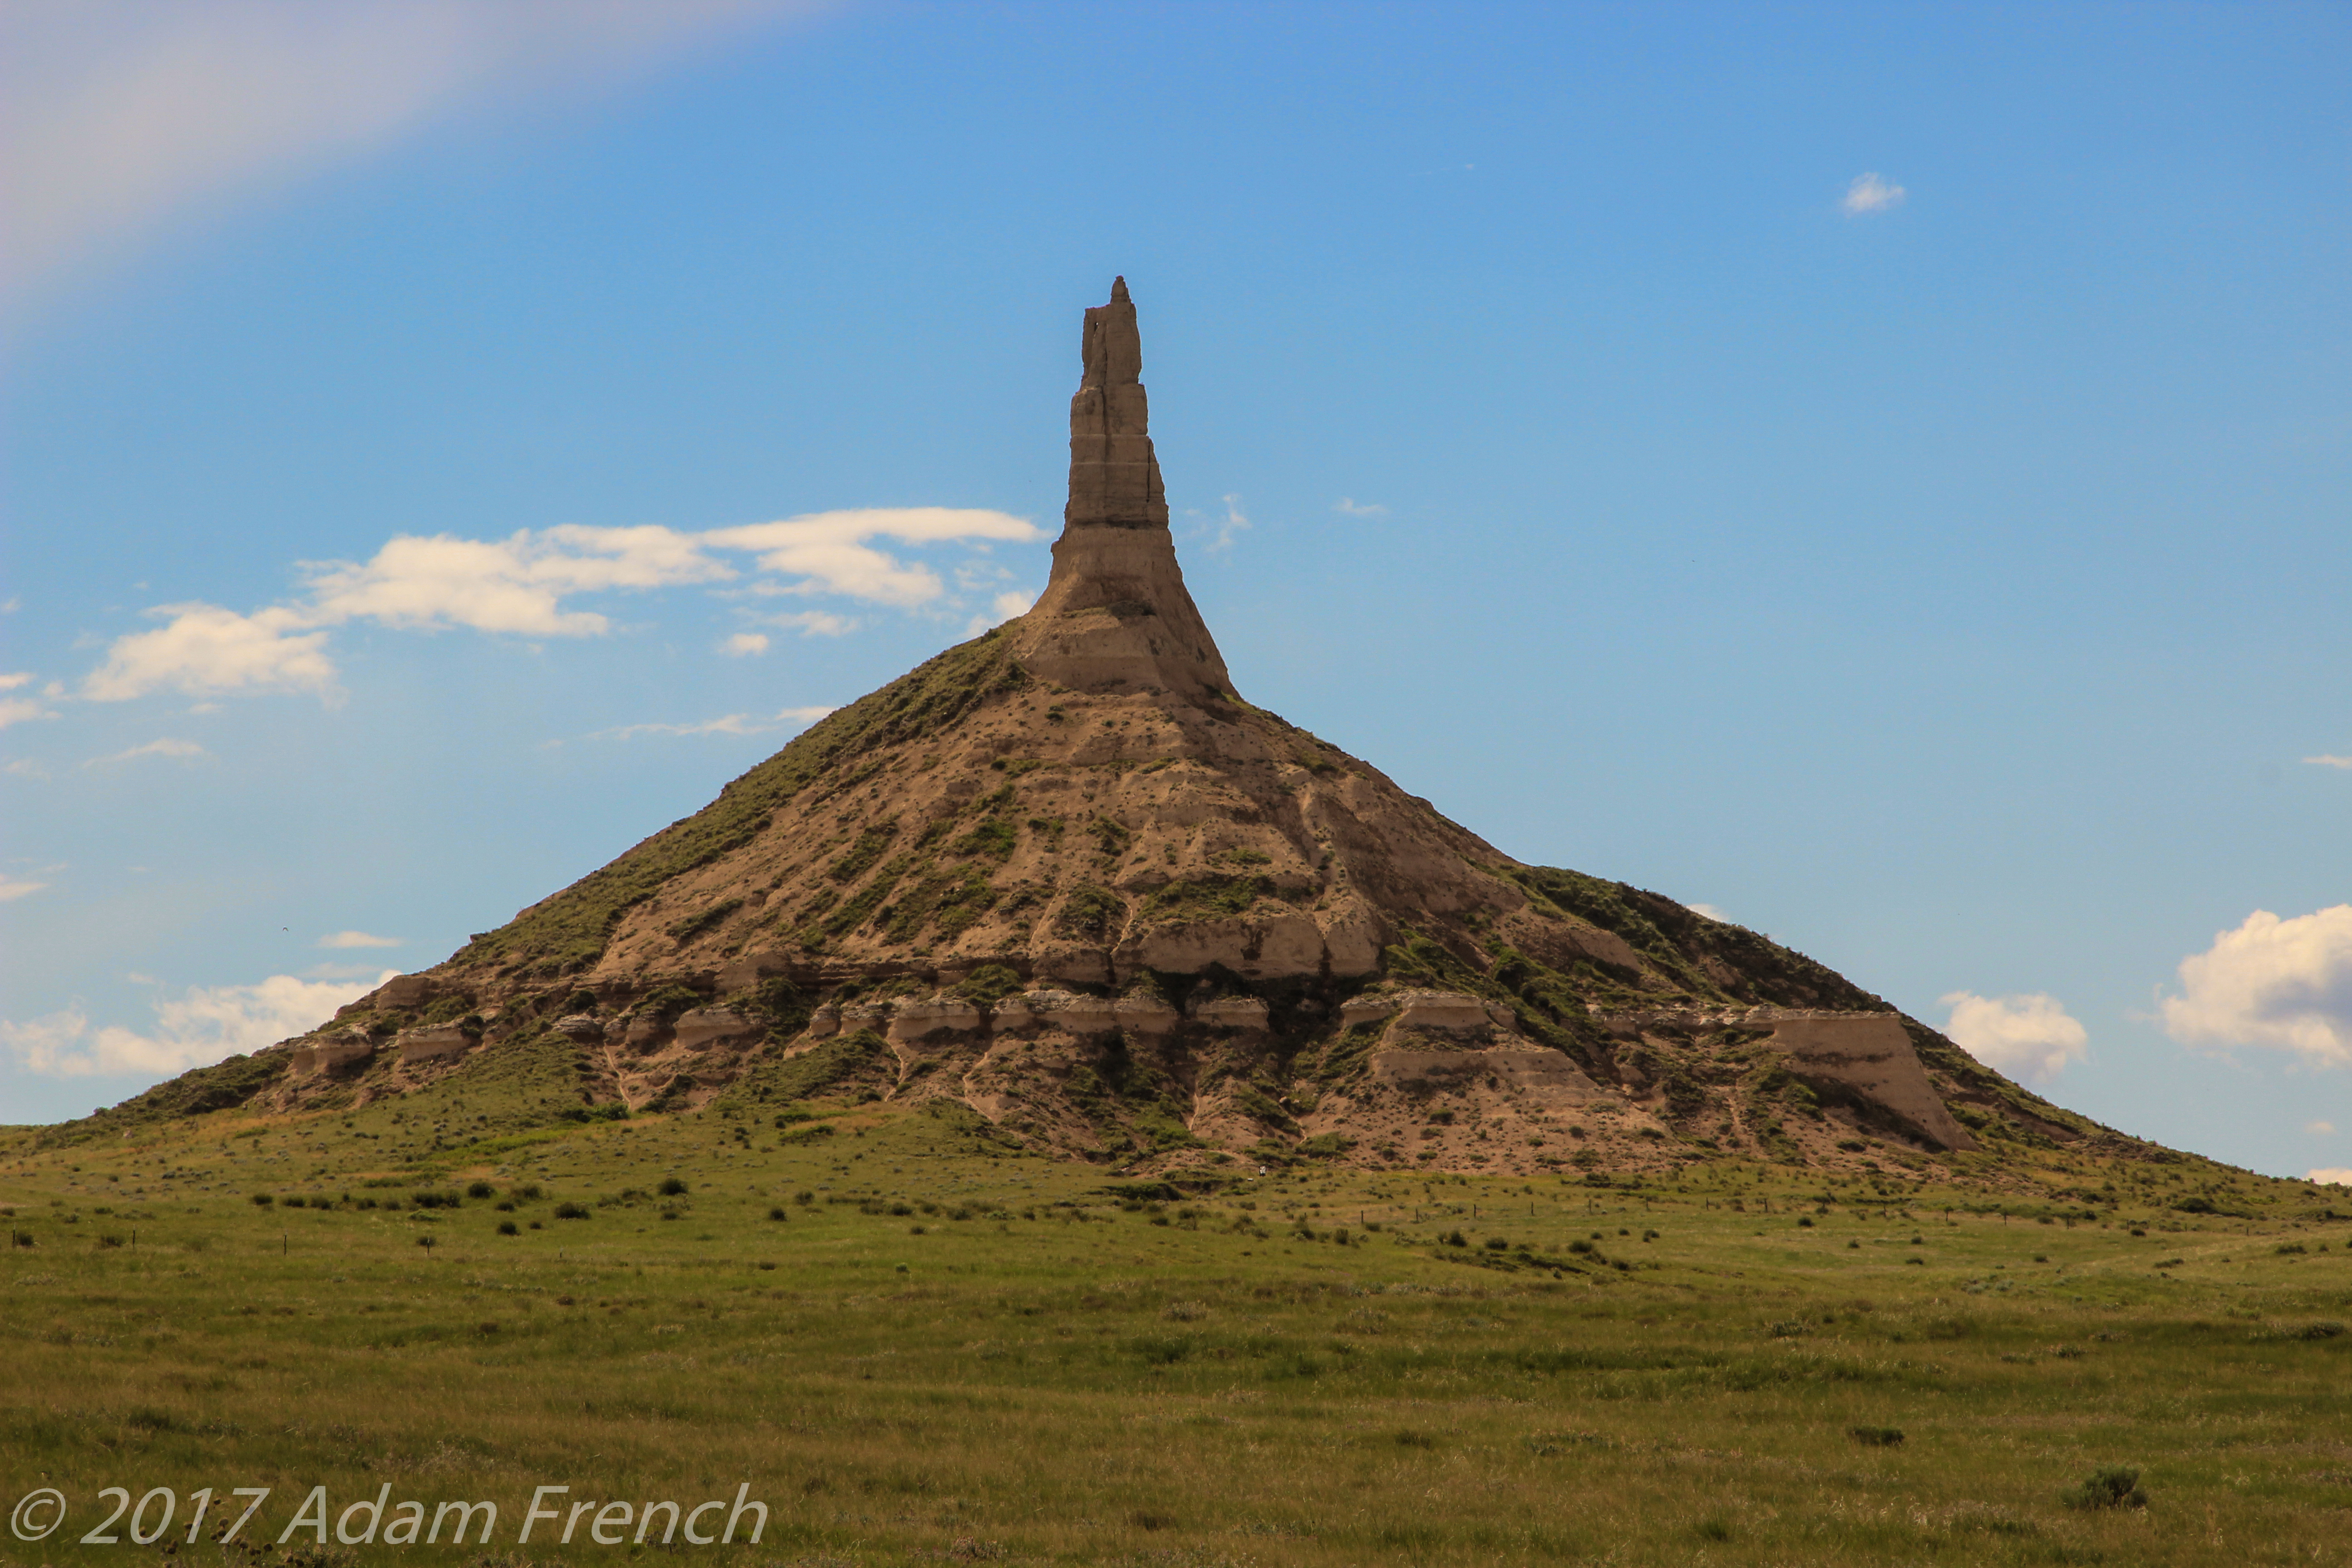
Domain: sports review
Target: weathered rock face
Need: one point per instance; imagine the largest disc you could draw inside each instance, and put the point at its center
(702, 1025)
(1114, 474)
(1116, 614)
(434, 1042)
(1869, 1056)
(330, 1053)
(1064, 874)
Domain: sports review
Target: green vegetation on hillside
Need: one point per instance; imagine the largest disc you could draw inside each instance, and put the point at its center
(566, 933)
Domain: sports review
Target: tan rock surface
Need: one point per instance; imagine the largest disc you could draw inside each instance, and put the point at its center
(1065, 873)
(1871, 1055)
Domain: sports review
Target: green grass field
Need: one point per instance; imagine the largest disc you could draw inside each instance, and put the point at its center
(946, 1351)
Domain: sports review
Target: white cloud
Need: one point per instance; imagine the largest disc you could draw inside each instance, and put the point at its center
(728, 724)
(1349, 508)
(2025, 1037)
(1871, 193)
(200, 1028)
(360, 939)
(182, 749)
(1710, 912)
(1003, 607)
(814, 623)
(16, 710)
(827, 552)
(2328, 762)
(10, 682)
(1232, 522)
(24, 767)
(116, 117)
(513, 585)
(519, 585)
(15, 888)
(2282, 983)
(742, 644)
(204, 647)
(2320, 1129)
(2330, 1175)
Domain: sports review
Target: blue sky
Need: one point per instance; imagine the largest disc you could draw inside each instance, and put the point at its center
(1880, 472)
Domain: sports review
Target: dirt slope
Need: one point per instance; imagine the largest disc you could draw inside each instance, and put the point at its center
(1065, 874)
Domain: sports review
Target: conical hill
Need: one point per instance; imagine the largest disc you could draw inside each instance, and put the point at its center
(1065, 874)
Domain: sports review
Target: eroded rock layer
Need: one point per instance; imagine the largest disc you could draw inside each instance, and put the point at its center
(1063, 875)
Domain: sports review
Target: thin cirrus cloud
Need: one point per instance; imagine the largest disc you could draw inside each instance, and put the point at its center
(1003, 607)
(727, 725)
(208, 1024)
(15, 888)
(1871, 193)
(2028, 1036)
(176, 751)
(347, 939)
(2325, 760)
(16, 710)
(118, 118)
(2272, 983)
(1348, 506)
(523, 586)
(814, 622)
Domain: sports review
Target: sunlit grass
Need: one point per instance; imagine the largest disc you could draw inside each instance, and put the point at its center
(1026, 1365)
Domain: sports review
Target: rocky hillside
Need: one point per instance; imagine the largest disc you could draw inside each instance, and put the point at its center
(1065, 874)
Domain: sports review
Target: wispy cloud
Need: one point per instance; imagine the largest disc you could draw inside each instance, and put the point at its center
(2026, 1036)
(119, 117)
(2323, 760)
(1871, 193)
(827, 552)
(16, 710)
(15, 888)
(194, 1030)
(1227, 526)
(2281, 985)
(1347, 507)
(523, 586)
(202, 647)
(1710, 912)
(183, 750)
(814, 622)
(360, 939)
(1003, 607)
(2320, 1129)
(743, 645)
(728, 724)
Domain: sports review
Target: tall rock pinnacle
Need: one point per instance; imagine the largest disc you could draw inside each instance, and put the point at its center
(1170, 898)
(1116, 613)
(1114, 477)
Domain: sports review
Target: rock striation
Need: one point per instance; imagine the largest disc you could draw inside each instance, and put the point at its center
(1115, 615)
(1114, 474)
(1065, 874)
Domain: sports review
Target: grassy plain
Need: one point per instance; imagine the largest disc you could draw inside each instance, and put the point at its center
(948, 1350)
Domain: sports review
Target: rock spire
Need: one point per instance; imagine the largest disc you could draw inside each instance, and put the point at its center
(1116, 613)
(1061, 874)
(1114, 476)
